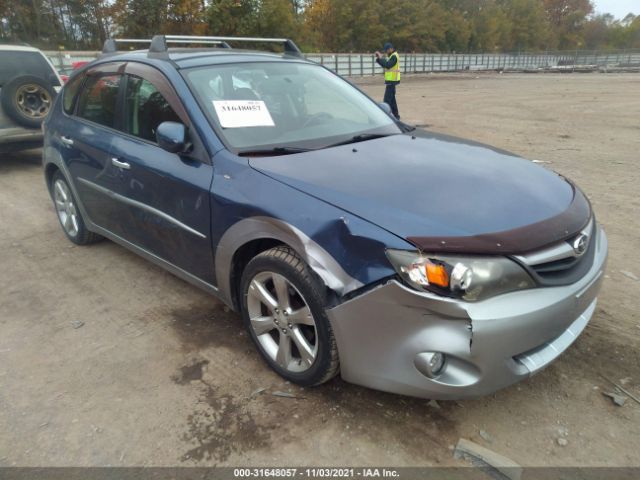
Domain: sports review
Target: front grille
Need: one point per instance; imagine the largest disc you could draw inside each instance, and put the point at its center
(556, 266)
(560, 264)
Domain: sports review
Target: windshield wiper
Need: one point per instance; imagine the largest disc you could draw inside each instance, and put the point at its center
(363, 137)
(274, 151)
(290, 150)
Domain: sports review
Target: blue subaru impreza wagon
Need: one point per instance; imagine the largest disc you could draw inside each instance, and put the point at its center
(351, 243)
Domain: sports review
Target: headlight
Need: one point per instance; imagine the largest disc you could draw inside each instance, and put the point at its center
(468, 277)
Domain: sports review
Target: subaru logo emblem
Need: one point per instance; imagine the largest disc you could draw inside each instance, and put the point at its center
(580, 244)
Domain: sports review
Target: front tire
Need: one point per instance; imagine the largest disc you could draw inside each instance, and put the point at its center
(68, 212)
(283, 308)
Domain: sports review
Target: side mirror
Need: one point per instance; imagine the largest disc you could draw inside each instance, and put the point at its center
(172, 137)
(385, 106)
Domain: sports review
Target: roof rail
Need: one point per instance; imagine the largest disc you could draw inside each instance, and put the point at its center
(110, 45)
(158, 44)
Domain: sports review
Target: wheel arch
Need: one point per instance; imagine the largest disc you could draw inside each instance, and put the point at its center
(50, 170)
(251, 236)
(52, 163)
(241, 257)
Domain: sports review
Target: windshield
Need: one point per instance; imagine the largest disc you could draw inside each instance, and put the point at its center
(284, 104)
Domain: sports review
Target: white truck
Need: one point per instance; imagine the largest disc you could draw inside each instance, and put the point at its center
(28, 86)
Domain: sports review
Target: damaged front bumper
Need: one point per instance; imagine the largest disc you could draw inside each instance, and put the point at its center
(489, 345)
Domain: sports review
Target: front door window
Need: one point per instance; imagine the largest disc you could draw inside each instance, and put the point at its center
(145, 109)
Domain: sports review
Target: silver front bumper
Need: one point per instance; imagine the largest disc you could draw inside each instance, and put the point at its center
(489, 344)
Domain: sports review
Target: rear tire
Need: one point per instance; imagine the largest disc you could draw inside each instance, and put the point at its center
(27, 99)
(68, 212)
(283, 308)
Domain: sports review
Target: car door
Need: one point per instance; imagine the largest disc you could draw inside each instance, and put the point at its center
(165, 196)
(84, 138)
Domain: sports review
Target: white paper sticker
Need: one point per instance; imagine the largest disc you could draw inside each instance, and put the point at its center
(243, 113)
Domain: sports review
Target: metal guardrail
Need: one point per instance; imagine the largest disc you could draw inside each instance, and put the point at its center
(64, 60)
(362, 64)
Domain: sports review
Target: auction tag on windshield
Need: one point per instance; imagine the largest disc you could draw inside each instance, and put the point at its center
(243, 113)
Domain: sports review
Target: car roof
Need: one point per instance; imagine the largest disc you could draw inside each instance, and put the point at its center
(196, 57)
(17, 48)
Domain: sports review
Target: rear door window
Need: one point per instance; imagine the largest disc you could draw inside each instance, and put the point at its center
(145, 109)
(98, 100)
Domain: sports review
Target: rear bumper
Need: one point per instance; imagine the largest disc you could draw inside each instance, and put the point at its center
(17, 146)
(16, 138)
(488, 345)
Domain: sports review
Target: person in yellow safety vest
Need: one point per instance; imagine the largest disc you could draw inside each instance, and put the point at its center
(391, 67)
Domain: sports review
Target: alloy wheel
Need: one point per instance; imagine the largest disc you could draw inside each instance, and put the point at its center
(65, 208)
(282, 322)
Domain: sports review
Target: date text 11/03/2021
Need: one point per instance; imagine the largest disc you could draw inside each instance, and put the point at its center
(315, 472)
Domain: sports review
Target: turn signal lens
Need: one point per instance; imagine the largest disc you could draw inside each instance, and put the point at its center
(471, 278)
(437, 275)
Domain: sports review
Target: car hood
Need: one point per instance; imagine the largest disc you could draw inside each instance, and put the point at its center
(439, 192)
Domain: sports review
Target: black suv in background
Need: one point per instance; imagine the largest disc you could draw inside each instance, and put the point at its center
(28, 86)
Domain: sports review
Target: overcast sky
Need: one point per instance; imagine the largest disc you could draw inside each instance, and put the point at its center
(618, 8)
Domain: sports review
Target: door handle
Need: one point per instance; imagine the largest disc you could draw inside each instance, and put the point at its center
(117, 163)
(66, 140)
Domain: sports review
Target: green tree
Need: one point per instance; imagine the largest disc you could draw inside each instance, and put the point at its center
(141, 18)
(528, 26)
(421, 25)
(186, 17)
(598, 31)
(489, 24)
(458, 32)
(567, 19)
(232, 17)
(277, 18)
(329, 25)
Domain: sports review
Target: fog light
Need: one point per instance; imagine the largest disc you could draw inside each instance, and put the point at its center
(430, 364)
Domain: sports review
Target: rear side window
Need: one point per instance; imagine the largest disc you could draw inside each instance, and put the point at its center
(15, 63)
(145, 109)
(97, 101)
(70, 92)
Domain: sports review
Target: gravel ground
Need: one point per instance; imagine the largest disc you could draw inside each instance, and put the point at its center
(107, 360)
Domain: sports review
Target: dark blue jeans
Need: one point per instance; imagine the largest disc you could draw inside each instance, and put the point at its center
(390, 98)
